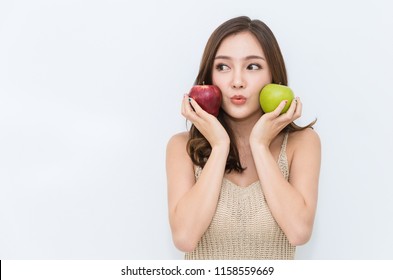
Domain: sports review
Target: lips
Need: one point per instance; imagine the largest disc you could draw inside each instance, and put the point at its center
(238, 99)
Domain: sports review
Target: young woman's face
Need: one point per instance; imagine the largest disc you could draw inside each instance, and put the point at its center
(240, 70)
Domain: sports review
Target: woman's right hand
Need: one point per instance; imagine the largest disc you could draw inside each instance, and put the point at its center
(206, 123)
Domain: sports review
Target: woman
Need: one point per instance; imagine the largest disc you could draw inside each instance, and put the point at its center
(243, 185)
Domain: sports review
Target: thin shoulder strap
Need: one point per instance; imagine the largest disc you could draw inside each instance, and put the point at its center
(197, 171)
(282, 159)
(284, 143)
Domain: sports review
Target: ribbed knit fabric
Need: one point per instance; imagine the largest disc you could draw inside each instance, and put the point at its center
(243, 226)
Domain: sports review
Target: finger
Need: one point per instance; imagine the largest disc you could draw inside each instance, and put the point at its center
(292, 108)
(280, 107)
(299, 108)
(198, 109)
(183, 106)
(294, 111)
(187, 110)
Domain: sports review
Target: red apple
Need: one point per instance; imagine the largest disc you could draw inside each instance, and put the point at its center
(209, 97)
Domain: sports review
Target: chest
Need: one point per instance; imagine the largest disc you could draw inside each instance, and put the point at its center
(243, 213)
(250, 174)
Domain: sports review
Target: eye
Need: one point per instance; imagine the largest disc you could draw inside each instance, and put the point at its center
(222, 67)
(254, 66)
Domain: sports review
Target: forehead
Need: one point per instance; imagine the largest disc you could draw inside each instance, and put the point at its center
(240, 45)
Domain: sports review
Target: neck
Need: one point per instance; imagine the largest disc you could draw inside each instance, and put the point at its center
(242, 128)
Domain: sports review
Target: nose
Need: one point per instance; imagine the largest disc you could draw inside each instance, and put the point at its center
(237, 84)
(238, 81)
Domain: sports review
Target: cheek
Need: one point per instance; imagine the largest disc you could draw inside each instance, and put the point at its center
(218, 79)
(261, 82)
(221, 82)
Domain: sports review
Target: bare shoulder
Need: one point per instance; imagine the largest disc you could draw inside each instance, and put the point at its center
(305, 138)
(305, 160)
(178, 140)
(176, 150)
(304, 143)
(179, 166)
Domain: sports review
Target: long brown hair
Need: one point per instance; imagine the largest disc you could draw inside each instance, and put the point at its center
(198, 147)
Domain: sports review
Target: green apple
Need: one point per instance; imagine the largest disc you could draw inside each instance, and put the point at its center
(271, 96)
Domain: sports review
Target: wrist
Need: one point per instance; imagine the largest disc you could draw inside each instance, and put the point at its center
(259, 146)
(221, 147)
(258, 143)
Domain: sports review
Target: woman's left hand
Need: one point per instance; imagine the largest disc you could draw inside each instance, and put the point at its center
(271, 124)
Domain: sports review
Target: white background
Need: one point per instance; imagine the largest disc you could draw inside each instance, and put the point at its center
(90, 93)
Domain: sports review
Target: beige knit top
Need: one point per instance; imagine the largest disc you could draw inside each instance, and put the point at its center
(243, 226)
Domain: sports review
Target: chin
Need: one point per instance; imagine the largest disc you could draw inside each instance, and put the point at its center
(242, 115)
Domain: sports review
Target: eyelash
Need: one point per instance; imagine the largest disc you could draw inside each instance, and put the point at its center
(220, 66)
(254, 64)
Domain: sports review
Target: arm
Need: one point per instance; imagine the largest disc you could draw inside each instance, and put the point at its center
(192, 204)
(293, 202)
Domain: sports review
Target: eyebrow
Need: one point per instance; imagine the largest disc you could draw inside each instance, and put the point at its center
(245, 58)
